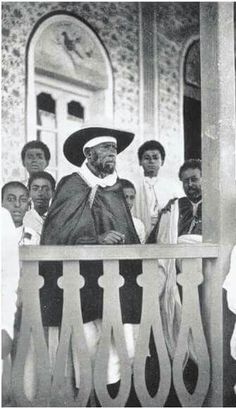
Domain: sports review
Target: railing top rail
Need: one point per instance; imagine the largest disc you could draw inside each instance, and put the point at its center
(113, 252)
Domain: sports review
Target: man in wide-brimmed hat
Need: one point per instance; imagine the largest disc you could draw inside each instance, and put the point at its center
(89, 207)
(94, 151)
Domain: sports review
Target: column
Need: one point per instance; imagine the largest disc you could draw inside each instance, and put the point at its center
(148, 71)
(218, 153)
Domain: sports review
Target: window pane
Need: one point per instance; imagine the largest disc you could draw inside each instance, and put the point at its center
(75, 109)
(46, 103)
(46, 127)
(50, 139)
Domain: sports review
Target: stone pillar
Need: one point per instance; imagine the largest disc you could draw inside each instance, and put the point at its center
(218, 153)
(148, 72)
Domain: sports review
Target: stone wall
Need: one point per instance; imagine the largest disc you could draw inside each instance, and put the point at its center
(117, 25)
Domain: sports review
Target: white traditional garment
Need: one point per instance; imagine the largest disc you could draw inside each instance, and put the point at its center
(162, 191)
(230, 286)
(151, 187)
(140, 229)
(190, 239)
(34, 221)
(10, 271)
(27, 236)
(93, 180)
(152, 194)
(170, 302)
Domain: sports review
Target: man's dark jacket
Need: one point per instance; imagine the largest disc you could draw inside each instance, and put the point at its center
(71, 221)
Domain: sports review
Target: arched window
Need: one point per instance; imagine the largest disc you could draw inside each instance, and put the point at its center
(192, 101)
(69, 83)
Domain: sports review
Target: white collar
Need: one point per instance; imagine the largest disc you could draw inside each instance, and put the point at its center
(38, 215)
(151, 180)
(93, 180)
(195, 204)
(20, 228)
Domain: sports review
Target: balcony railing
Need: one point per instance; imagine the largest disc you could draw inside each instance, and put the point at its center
(54, 385)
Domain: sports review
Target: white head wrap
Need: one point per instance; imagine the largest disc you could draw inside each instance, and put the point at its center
(97, 140)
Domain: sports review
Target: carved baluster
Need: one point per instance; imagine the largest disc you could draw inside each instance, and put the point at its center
(151, 319)
(31, 345)
(111, 281)
(72, 344)
(189, 279)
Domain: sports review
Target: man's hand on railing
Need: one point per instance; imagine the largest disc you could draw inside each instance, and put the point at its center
(111, 238)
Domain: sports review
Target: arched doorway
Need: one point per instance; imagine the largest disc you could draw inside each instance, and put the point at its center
(69, 83)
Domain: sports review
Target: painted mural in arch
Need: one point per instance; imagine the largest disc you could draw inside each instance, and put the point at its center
(65, 49)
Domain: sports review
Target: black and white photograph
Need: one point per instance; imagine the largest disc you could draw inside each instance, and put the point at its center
(118, 218)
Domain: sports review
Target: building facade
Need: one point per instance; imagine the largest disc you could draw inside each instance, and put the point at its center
(139, 50)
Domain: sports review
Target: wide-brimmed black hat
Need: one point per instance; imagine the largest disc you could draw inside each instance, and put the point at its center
(74, 144)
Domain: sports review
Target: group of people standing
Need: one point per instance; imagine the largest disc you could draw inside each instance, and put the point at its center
(95, 206)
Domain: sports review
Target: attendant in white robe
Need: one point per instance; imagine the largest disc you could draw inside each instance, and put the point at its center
(179, 222)
(153, 190)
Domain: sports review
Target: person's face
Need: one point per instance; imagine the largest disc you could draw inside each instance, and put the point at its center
(103, 157)
(34, 160)
(129, 196)
(41, 193)
(16, 200)
(192, 184)
(151, 162)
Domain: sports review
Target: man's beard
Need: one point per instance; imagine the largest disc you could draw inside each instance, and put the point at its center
(194, 195)
(108, 168)
(103, 167)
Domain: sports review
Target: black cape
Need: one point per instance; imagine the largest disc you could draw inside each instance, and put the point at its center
(186, 218)
(71, 221)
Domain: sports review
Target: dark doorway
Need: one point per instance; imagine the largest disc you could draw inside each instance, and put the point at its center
(192, 128)
(192, 102)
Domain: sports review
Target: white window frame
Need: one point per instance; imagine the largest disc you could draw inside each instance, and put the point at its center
(62, 93)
